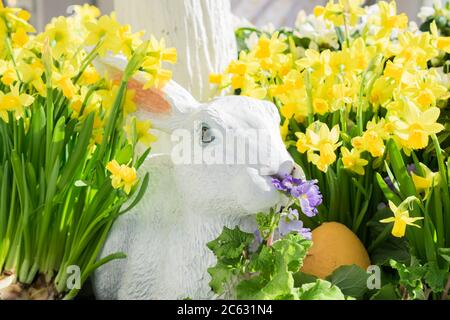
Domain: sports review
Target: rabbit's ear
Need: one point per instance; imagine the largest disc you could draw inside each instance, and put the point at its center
(164, 106)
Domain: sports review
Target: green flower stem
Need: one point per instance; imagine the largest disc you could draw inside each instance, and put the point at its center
(88, 60)
(10, 52)
(444, 220)
(309, 97)
(380, 238)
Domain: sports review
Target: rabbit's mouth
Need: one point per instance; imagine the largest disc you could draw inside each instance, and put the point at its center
(296, 172)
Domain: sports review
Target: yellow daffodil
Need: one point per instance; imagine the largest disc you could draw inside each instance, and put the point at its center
(373, 138)
(158, 49)
(382, 91)
(63, 81)
(20, 37)
(86, 13)
(109, 97)
(442, 43)
(251, 89)
(90, 76)
(342, 12)
(318, 62)
(142, 128)
(8, 72)
(425, 182)
(294, 103)
(216, 78)
(401, 217)
(32, 74)
(373, 70)
(414, 49)
(14, 101)
(284, 129)
(320, 143)
(122, 176)
(427, 90)
(388, 19)
(352, 160)
(358, 56)
(16, 18)
(60, 34)
(320, 106)
(128, 41)
(92, 103)
(269, 52)
(414, 126)
(105, 30)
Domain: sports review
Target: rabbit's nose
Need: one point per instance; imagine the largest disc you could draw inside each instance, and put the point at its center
(298, 172)
(286, 167)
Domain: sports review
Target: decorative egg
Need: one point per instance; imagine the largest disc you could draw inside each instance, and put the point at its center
(334, 245)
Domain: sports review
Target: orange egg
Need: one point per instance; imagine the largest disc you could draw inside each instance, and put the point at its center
(334, 245)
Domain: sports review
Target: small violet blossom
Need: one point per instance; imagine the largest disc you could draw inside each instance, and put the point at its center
(289, 223)
(306, 191)
(410, 168)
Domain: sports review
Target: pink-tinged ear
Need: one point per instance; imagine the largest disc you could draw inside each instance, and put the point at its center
(166, 107)
(148, 100)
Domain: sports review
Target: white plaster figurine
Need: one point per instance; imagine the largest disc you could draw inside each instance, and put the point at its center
(187, 205)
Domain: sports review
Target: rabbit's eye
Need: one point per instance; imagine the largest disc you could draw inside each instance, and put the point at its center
(207, 136)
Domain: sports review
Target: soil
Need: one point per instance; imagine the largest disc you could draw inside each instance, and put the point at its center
(40, 289)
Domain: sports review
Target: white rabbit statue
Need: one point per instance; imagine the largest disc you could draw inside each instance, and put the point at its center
(188, 202)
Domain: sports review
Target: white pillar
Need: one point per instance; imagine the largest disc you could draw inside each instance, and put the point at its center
(201, 30)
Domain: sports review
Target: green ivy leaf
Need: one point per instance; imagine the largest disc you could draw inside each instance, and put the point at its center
(301, 278)
(280, 286)
(351, 279)
(411, 277)
(320, 290)
(264, 222)
(435, 277)
(293, 249)
(220, 275)
(387, 292)
(445, 253)
(263, 262)
(275, 267)
(231, 243)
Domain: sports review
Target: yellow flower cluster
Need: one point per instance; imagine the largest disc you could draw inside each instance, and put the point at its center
(73, 42)
(401, 217)
(60, 61)
(376, 87)
(122, 176)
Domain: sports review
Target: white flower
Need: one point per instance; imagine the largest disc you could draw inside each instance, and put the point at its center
(317, 29)
(425, 12)
(252, 40)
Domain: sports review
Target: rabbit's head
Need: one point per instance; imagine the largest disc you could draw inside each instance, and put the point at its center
(224, 152)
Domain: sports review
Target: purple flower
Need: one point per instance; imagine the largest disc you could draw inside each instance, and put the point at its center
(290, 182)
(258, 237)
(306, 233)
(309, 196)
(257, 242)
(389, 183)
(289, 223)
(306, 191)
(279, 184)
(411, 168)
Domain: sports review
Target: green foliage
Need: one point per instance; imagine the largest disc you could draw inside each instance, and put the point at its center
(267, 273)
(428, 269)
(352, 280)
(320, 290)
(57, 203)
